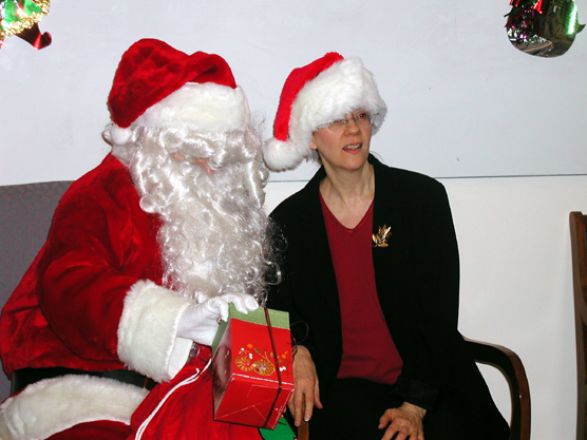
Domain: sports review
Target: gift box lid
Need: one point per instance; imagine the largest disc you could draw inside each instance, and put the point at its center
(277, 318)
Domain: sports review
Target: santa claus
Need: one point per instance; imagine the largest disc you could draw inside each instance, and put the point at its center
(107, 334)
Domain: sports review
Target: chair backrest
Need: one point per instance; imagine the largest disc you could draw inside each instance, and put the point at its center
(578, 223)
(25, 216)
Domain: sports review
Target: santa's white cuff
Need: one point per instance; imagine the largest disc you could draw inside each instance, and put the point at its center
(53, 405)
(147, 332)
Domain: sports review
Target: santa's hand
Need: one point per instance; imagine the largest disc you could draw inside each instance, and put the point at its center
(200, 322)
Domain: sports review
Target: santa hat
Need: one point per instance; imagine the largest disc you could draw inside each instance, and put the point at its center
(314, 95)
(158, 86)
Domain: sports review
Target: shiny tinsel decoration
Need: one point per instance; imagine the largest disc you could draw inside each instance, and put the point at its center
(21, 18)
(545, 28)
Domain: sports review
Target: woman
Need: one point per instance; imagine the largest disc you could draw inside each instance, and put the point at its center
(369, 275)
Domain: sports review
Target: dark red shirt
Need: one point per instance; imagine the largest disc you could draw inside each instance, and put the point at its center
(368, 350)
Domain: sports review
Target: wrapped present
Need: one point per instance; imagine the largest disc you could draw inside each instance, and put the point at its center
(252, 365)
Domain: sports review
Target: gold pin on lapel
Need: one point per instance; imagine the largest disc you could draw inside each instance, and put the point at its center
(380, 239)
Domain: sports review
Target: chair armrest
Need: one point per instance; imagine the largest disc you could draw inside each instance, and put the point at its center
(304, 431)
(512, 368)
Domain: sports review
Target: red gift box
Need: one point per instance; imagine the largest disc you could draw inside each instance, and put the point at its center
(252, 385)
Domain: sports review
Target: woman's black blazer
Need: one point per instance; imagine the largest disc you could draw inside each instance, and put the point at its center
(417, 279)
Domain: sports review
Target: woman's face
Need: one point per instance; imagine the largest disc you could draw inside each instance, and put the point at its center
(344, 144)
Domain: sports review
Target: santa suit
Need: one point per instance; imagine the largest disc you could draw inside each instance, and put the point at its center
(93, 300)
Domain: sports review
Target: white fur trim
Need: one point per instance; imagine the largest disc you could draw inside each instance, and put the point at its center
(53, 405)
(345, 86)
(340, 89)
(206, 107)
(119, 135)
(147, 332)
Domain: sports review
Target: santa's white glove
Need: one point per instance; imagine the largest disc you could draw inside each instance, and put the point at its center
(200, 322)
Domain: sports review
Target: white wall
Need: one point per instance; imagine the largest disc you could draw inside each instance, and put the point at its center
(516, 286)
(462, 100)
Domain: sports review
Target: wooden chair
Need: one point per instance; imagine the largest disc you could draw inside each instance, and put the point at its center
(578, 223)
(304, 431)
(510, 365)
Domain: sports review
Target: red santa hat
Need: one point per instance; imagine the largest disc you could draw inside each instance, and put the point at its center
(313, 95)
(158, 86)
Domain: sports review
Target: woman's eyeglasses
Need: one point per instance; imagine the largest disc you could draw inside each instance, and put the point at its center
(360, 118)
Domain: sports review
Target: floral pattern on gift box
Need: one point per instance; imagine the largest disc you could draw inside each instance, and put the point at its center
(252, 359)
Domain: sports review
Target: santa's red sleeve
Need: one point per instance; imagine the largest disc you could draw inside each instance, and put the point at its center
(95, 299)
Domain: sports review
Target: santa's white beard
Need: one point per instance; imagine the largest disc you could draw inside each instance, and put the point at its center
(212, 240)
(212, 236)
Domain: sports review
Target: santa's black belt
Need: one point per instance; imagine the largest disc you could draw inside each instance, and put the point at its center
(26, 376)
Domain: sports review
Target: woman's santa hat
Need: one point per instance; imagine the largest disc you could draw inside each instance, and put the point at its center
(158, 86)
(314, 95)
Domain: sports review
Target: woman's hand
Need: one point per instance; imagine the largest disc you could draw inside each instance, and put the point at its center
(405, 421)
(306, 393)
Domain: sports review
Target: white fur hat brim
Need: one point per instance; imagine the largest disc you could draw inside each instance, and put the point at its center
(205, 107)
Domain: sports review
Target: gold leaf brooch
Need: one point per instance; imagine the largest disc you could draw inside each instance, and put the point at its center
(380, 239)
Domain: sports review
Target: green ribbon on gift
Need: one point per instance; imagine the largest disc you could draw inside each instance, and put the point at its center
(281, 432)
(278, 319)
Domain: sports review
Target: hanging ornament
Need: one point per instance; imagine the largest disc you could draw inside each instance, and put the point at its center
(544, 28)
(21, 18)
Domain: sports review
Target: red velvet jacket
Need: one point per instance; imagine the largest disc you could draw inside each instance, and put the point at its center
(93, 300)
(67, 308)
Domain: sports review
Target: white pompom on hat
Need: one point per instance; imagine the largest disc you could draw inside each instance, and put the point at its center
(313, 95)
(158, 86)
